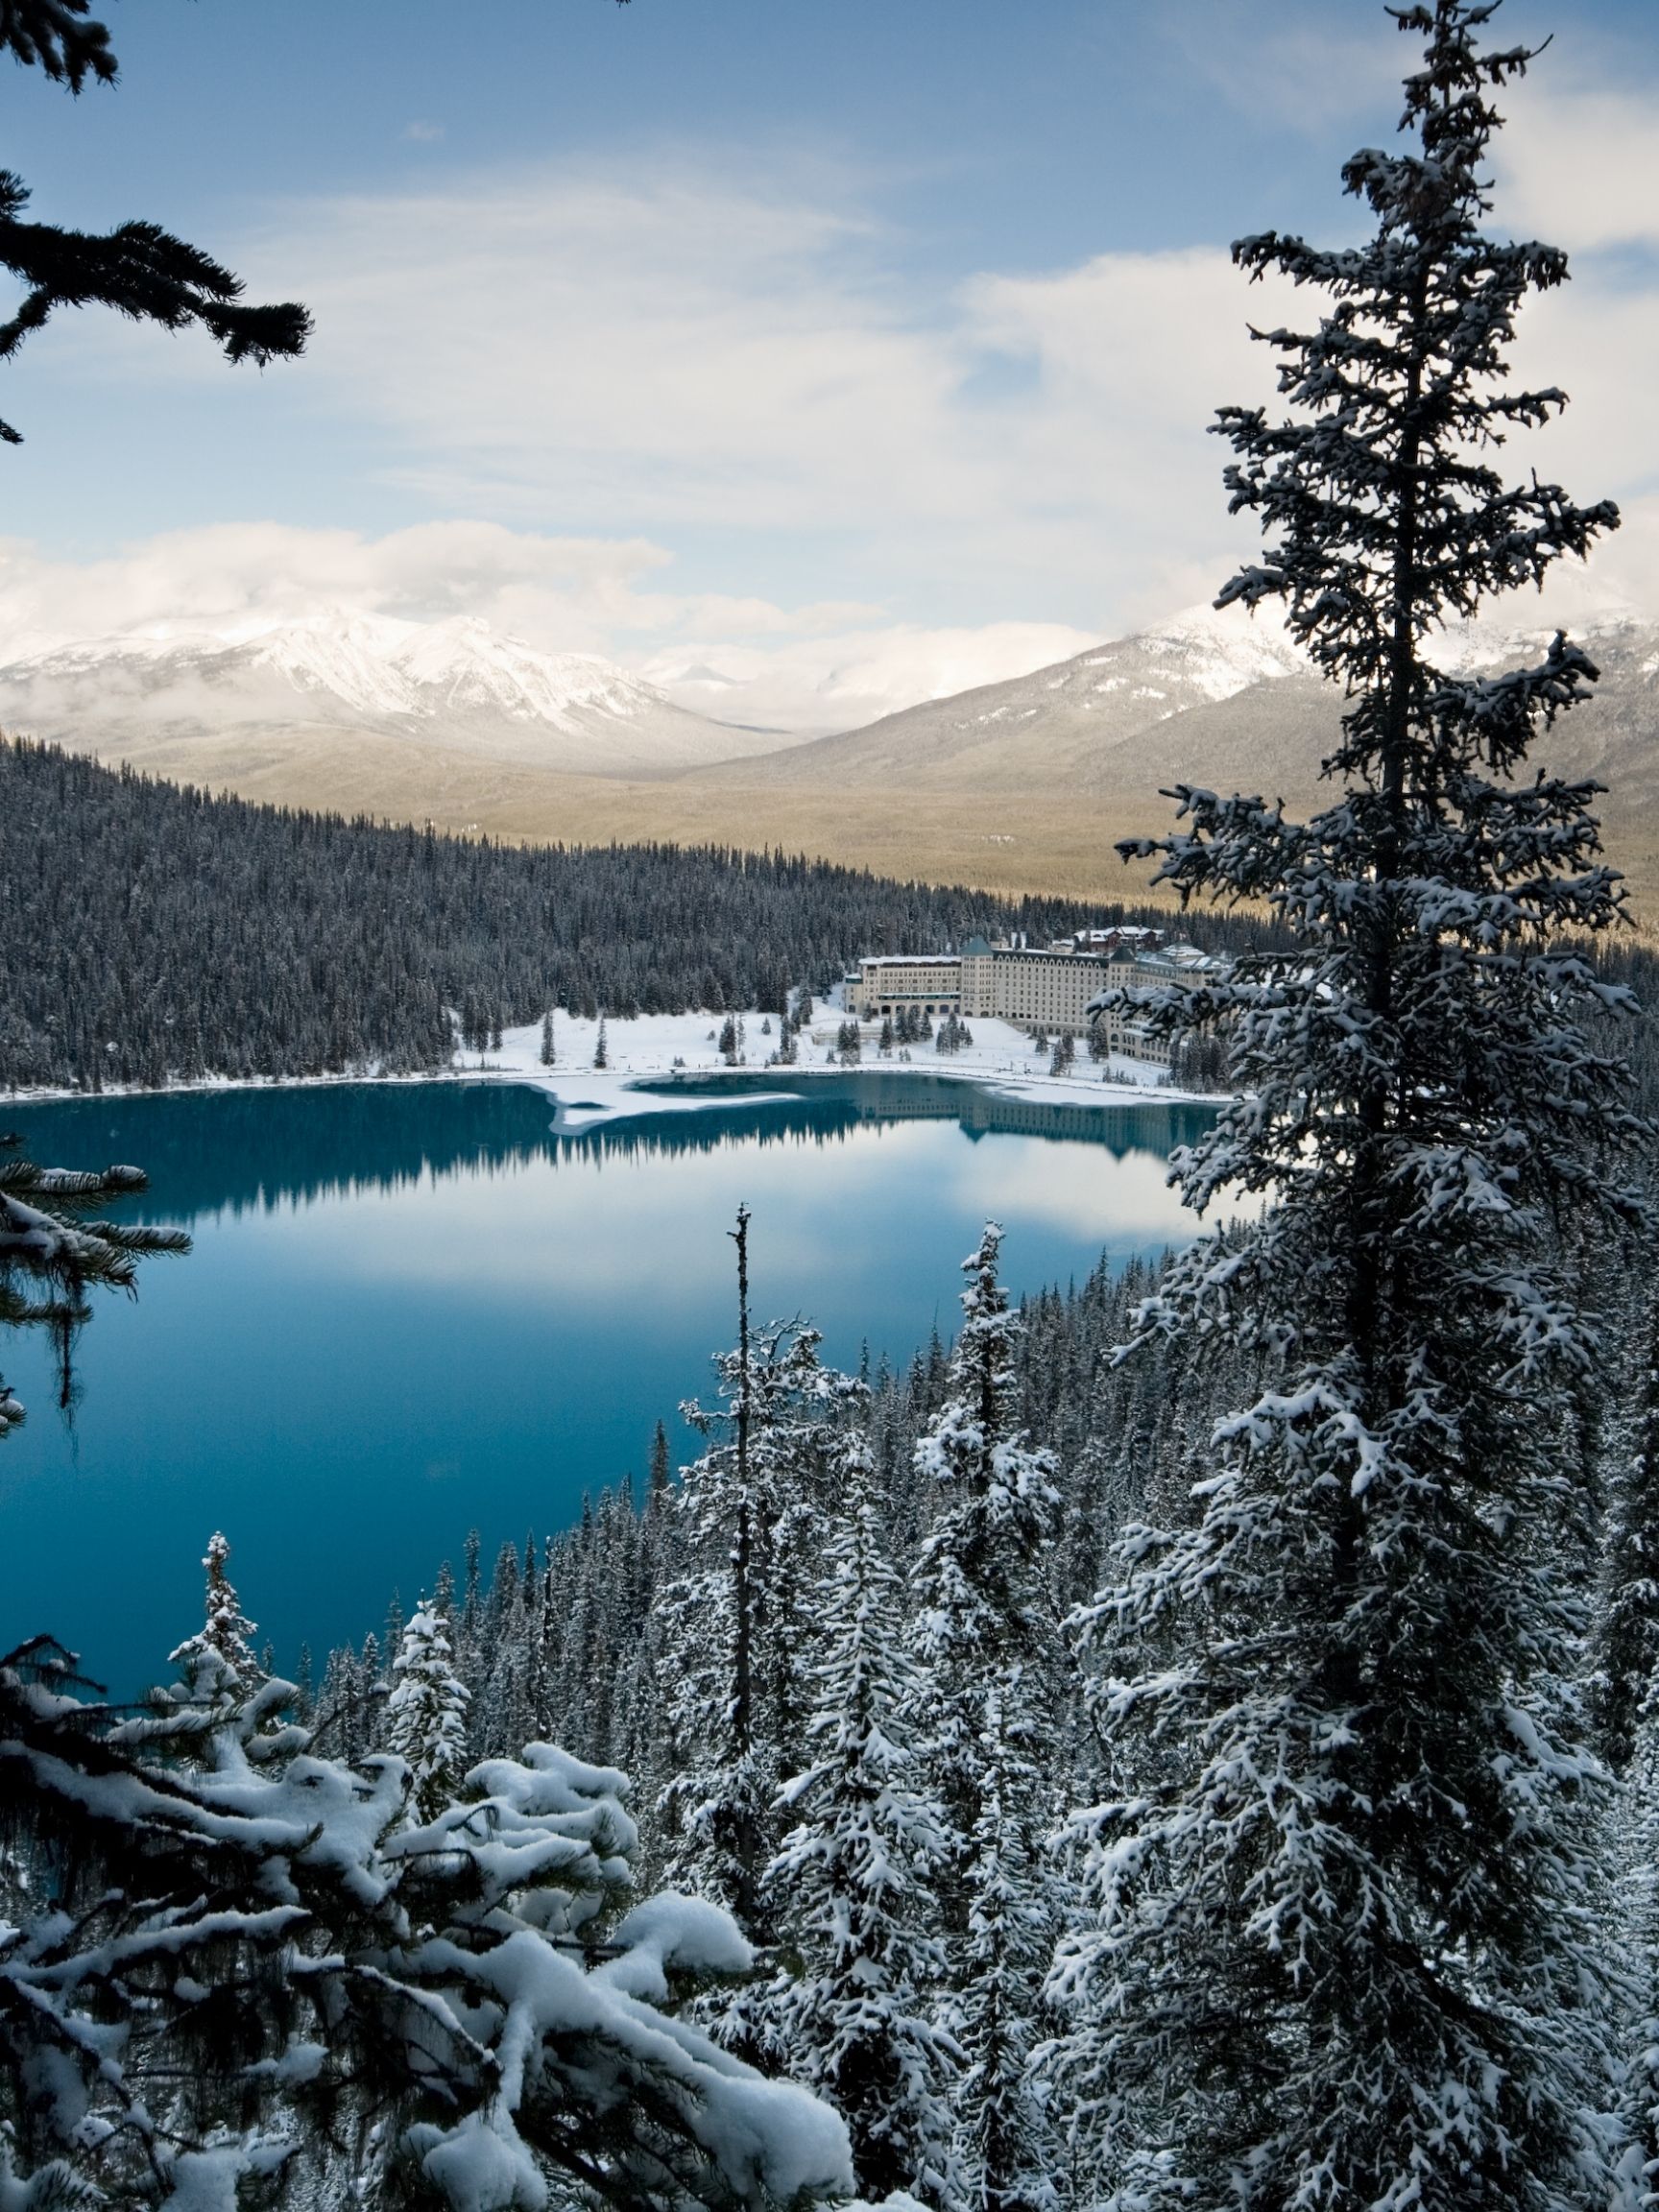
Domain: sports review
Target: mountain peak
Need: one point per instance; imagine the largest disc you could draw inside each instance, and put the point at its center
(454, 683)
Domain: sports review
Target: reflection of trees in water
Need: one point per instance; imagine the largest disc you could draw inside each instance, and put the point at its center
(259, 1147)
(832, 1106)
(243, 1150)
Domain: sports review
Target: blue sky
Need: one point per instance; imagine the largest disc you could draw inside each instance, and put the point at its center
(839, 350)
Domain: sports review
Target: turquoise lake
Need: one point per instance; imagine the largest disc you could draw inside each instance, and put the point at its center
(416, 1310)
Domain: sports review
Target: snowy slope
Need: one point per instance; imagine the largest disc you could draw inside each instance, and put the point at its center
(1211, 699)
(457, 684)
(1065, 723)
(454, 720)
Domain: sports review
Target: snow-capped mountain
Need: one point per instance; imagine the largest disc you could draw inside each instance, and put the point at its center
(1211, 699)
(457, 685)
(457, 722)
(1064, 724)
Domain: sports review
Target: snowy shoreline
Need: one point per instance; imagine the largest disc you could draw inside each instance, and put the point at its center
(659, 1047)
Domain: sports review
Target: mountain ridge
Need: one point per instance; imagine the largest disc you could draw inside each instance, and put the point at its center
(1023, 785)
(1206, 700)
(456, 683)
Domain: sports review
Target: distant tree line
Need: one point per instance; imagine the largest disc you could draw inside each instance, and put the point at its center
(156, 935)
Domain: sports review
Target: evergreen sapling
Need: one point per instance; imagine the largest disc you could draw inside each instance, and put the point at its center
(426, 1714)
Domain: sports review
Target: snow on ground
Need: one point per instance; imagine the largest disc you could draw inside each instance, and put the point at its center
(652, 1045)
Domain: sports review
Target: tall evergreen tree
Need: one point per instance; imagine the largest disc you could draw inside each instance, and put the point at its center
(736, 1620)
(509, 1639)
(852, 1878)
(1344, 1949)
(1006, 2147)
(1636, 1932)
(226, 1709)
(984, 1710)
(221, 1653)
(661, 1472)
(1629, 1657)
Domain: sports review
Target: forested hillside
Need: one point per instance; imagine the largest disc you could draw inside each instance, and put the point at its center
(156, 935)
(971, 1514)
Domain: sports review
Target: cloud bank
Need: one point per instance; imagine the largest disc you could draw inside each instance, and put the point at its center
(703, 416)
(820, 666)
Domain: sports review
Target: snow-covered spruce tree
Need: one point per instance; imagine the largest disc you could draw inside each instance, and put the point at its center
(736, 1619)
(426, 1714)
(225, 1704)
(509, 1683)
(225, 1709)
(1628, 1626)
(1636, 1856)
(983, 1708)
(852, 1882)
(253, 1970)
(1006, 2147)
(1344, 1950)
(222, 1649)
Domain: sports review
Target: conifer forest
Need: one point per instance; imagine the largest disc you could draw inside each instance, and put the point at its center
(1188, 1742)
(208, 937)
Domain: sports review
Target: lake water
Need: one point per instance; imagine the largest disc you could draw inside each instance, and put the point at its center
(414, 1310)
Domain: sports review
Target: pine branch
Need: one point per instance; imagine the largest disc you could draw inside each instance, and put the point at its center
(59, 38)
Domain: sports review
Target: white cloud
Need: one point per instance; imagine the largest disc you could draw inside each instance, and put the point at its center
(677, 345)
(624, 375)
(845, 679)
(574, 591)
(1587, 339)
(821, 667)
(689, 347)
(1579, 166)
(695, 349)
(1302, 66)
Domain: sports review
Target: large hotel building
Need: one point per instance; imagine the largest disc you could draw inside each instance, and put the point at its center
(1036, 987)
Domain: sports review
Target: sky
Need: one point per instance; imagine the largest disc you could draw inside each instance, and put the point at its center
(809, 357)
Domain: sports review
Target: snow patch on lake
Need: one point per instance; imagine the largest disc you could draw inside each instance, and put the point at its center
(651, 1048)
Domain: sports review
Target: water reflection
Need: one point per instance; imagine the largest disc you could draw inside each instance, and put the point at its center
(207, 1152)
(416, 1308)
